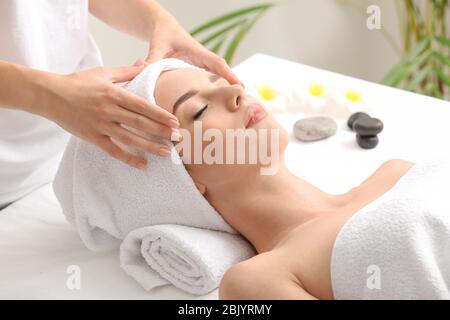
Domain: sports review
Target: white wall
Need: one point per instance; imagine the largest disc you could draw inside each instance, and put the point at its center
(379, 55)
(321, 33)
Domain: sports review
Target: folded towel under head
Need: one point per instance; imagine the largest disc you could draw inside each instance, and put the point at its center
(191, 259)
(106, 199)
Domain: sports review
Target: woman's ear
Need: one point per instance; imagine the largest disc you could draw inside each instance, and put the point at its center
(201, 187)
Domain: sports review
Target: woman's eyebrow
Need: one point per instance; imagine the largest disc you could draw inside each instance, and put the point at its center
(212, 78)
(183, 98)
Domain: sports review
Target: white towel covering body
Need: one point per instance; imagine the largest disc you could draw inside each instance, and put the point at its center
(398, 246)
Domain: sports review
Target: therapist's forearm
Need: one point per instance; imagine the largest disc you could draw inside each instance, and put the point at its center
(25, 89)
(134, 17)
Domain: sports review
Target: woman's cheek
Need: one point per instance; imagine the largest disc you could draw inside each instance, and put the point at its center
(212, 123)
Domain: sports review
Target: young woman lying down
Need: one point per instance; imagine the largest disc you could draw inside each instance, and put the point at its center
(382, 239)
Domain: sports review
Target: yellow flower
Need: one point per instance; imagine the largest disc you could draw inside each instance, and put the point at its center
(310, 97)
(267, 93)
(271, 95)
(353, 96)
(349, 101)
(317, 90)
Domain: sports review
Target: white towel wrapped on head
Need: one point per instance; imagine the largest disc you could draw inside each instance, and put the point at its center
(107, 199)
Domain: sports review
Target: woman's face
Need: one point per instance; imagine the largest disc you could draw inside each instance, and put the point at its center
(202, 99)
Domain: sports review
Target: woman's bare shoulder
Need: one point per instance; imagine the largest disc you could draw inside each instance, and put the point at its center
(267, 264)
(390, 169)
(263, 276)
(398, 163)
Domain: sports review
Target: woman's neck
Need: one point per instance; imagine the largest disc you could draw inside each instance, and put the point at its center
(266, 208)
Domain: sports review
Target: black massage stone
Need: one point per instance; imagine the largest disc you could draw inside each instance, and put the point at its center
(368, 127)
(367, 142)
(356, 116)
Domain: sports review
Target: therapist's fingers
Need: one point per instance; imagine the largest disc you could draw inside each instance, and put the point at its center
(107, 145)
(133, 102)
(142, 123)
(117, 132)
(141, 106)
(89, 106)
(122, 74)
(215, 64)
(219, 66)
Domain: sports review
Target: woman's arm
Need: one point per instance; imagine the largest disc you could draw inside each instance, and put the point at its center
(134, 17)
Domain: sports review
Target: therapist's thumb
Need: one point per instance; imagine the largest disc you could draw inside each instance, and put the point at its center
(123, 74)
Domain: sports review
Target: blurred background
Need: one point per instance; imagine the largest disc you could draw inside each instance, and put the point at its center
(410, 49)
(322, 33)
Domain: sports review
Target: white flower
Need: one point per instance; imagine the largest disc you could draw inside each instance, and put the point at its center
(272, 97)
(350, 101)
(311, 97)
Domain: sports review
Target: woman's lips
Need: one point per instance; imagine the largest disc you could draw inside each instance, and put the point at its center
(255, 114)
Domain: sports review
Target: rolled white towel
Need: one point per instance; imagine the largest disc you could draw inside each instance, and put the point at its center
(160, 255)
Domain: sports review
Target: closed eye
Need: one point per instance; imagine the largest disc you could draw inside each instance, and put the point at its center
(199, 113)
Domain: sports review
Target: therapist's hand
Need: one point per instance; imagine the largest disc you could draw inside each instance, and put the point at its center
(170, 40)
(89, 105)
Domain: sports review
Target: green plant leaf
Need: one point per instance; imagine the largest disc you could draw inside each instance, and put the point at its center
(407, 70)
(429, 88)
(222, 31)
(229, 16)
(437, 93)
(229, 54)
(442, 58)
(420, 76)
(443, 40)
(390, 78)
(393, 73)
(425, 64)
(432, 90)
(444, 78)
(218, 45)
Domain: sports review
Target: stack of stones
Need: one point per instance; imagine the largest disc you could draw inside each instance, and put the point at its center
(366, 128)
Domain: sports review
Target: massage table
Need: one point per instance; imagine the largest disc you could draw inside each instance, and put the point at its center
(38, 247)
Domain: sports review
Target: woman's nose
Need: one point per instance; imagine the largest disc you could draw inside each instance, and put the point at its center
(234, 97)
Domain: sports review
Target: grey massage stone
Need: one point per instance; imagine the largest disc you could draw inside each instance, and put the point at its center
(356, 116)
(315, 129)
(367, 142)
(368, 127)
